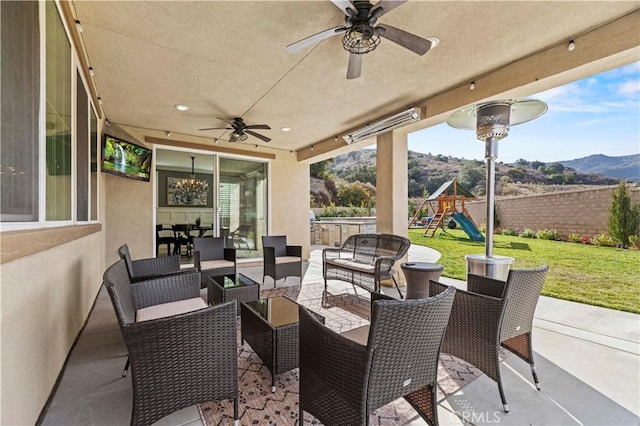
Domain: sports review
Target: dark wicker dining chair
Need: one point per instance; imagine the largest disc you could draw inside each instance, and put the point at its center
(182, 351)
(492, 314)
(212, 258)
(344, 379)
(279, 259)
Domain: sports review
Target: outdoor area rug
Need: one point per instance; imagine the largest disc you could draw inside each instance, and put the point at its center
(259, 406)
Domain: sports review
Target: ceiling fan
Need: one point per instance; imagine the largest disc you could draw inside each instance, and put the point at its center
(361, 35)
(240, 130)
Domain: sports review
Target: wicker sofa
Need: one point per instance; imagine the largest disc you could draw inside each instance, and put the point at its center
(365, 260)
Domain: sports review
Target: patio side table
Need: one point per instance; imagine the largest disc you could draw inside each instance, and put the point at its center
(270, 327)
(417, 275)
(236, 287)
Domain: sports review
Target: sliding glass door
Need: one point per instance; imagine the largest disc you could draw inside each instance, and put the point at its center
(233, 205)
(243, 205)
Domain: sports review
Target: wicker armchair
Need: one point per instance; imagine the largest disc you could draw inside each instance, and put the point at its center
(280, 259)
(344, 379)
(144, 269)
(183, 354)
(491, 314)
(211, 258)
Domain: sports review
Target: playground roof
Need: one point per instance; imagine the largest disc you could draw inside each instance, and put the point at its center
(447, 188)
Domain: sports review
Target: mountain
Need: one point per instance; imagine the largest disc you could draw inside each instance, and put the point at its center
(624, 167)
(426, 172)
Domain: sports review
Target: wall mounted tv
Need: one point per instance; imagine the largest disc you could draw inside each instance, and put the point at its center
(125, 159)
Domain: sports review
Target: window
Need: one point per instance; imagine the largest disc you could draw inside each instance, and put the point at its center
(20, 99)
(58, 118)
(82, 151)
(93, 142)
(48, 169)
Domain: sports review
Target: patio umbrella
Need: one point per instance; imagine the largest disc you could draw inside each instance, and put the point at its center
(491, 121)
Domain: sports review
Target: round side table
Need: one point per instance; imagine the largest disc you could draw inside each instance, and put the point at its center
(417, 275)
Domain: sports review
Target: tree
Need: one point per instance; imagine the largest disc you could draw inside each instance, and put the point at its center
(469, 175)
(320, 169)
(536, 164)
(353, 194)
(624, 217)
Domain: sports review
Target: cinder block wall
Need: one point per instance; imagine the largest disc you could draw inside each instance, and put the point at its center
(583, 212)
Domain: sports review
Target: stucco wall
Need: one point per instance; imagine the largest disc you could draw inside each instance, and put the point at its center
(45, 299)
(289, 205)
(583, 212)
(129, 217)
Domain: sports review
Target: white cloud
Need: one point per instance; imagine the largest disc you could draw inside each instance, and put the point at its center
(629, 87)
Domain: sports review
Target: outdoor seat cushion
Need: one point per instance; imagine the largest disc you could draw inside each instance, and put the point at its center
(287, 259)
(169, 309)
(352, 264)
(216, 264)
(358, 334)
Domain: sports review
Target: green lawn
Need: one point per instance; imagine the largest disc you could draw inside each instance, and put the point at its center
(600, 276)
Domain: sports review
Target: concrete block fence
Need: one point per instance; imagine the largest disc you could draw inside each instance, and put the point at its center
(584, 212)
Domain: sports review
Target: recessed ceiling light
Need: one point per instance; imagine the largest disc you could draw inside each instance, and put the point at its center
(285, 129)
(181, 107)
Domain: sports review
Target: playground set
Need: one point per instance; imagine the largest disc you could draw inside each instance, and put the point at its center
(444, 203)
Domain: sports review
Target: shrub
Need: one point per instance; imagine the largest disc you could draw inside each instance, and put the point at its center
(603, 240)
(574, 238)
(624, 216)
(527, 233)
(508, 232)
(548, 234)
(329, 210)
(634, 241)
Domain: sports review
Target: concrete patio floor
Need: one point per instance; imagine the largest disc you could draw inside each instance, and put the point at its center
(588, 362)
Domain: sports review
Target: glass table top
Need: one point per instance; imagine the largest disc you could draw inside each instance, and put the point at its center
(278, 311)
(234, 281)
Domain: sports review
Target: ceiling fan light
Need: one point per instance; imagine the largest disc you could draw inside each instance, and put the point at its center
(359, 42)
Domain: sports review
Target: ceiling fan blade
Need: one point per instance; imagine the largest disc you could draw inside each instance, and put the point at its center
(217, 128)
(316, 38)
(258, 135)
(405, 39)
(355, 66)
(385, 6)
(258, 126)
(343, 5)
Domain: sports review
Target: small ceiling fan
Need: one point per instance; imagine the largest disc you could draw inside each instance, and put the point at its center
(361, 35)
(240, 130)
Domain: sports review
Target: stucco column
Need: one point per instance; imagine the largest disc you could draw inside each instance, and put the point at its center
(391, 183)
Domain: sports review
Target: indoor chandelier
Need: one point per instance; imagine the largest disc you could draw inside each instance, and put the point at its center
(192, 189)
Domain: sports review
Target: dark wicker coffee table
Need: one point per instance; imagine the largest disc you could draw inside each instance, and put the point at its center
(236, 287)
(270, 327)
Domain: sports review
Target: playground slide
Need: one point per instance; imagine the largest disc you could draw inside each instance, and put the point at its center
(468, 227)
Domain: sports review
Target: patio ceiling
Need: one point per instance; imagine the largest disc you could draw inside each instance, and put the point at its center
(227, 59)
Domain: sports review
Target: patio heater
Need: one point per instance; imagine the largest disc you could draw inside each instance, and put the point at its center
(491, 121)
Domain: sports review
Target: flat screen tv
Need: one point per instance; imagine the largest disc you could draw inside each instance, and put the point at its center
(125, 158)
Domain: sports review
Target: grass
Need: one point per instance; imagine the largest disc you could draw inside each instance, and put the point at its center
(599, 276)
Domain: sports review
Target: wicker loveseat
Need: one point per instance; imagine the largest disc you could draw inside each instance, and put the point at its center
(364, 260)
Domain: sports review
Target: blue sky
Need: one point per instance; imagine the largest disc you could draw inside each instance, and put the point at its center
(596, 115)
